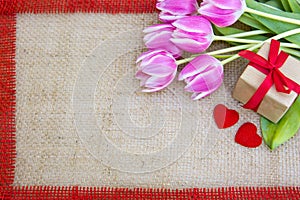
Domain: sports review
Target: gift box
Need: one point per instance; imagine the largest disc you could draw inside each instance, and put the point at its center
(272, 103)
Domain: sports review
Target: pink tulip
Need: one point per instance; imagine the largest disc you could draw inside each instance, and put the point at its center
(193, 34)
(203, 76)
(222, 12)
(156, 70)
(158, 37)
(172, 10)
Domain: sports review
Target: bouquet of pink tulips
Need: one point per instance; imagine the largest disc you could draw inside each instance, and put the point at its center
(192, 27)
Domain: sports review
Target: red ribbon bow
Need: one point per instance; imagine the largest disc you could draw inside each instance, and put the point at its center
(270, 68)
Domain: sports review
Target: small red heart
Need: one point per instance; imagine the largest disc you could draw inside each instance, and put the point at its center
(225, 117)
(247, 136)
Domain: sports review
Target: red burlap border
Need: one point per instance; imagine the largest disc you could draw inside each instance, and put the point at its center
(7, 101)
(8, 9)
(48, 192)
(71, 6)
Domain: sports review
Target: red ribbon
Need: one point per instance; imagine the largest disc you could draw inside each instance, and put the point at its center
(270, 68)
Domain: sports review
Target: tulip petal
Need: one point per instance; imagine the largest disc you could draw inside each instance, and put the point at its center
(190, 45)
(177, 7)
(148, 54)
(158, 61)
(203, 76)
(225, 4)
(141, 76)
(158, 70)
(205, 81)
(158, 27)
(155, 83)
(219, 17)
(193, 34)
(168, 17)
(196, 24)
(197, 96)
(162, 41)
(213, 10)
(157, 39)
(200, 37)
(222, 12)
(198, 65)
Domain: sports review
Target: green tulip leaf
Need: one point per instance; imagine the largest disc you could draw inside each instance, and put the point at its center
(251, 21)
(257, 37)
(231, 30)
(275, 4)
(228, 30)
(295, 7)
(277, 134)
(275, 25)
(286, 5)
(293, 52)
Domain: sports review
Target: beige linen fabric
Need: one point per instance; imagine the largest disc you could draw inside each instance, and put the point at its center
(82, 120)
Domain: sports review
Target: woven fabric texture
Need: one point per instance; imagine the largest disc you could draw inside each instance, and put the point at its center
(82, 120)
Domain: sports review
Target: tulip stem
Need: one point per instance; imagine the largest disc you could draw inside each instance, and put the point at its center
(248, 33)
(223, 56)
(244, 34)
(231, 39)
(276, 37)
(215, 53)
(230, 49)
(186, 60)
(271, 16)
(239, 40)
(228, 60)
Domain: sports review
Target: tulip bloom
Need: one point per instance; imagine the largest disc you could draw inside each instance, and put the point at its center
(193, 34)
(158, 37)
(203, 76)
(156, 70)
(222, 12)
(172, 10)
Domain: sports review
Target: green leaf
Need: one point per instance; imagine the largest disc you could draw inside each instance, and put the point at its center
(277, 134)
(275, 3)
(229, 30)
(286, 5)
(216, 32)
(251, 21)
(293, 52)
(257, 37)
(294, 5)
(276, 25)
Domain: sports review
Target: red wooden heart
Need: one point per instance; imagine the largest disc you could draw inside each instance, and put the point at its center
(225, 117)
(247, 136)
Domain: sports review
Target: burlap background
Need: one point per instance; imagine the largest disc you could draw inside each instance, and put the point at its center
(132, 138)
